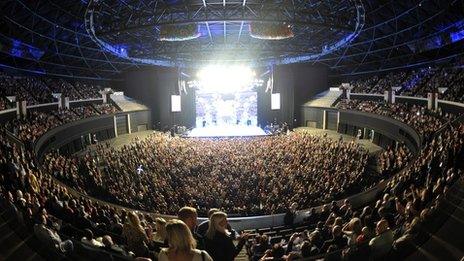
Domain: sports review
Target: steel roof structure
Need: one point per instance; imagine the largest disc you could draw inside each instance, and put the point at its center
(99, 39)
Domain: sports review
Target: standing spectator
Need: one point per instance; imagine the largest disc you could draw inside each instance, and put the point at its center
(218, 242)
(135, 235)
(189, 216)
(181, 244)
(203, 227)
(160, 234)
(338, 240)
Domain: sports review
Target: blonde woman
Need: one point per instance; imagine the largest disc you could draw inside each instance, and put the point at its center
(218, 241)
(160, 234)
(181, 244)
(135, 235)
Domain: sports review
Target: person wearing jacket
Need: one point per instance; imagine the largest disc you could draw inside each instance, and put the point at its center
(218, 241)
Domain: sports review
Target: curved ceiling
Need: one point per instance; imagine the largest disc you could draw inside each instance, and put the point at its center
(222, 30)
(51, 36)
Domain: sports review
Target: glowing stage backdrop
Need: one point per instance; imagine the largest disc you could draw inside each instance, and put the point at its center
(226, 108)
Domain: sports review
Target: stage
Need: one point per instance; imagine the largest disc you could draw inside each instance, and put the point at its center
(227, 131)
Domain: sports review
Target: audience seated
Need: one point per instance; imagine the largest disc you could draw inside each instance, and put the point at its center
(38, 90)
(424, 121)
(50, 237)
(382, 243)
(409, 196)
(393, 159)
(253, 176)
(416, 82)
(36, 123)
(187, 171)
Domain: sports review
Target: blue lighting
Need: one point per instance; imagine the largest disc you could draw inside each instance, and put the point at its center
(23, 50)
(416, 79)
(36, 53)
(16, 48)
(135, 54)
(457, 36)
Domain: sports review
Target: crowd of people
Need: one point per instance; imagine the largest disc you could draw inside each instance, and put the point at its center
(36, 123)
(387, 228)
(392, 160)
(10, 87)
(258, 175)
(38, 90)
(424, 121)
(58, 217)
(247, 176)
(416, 82)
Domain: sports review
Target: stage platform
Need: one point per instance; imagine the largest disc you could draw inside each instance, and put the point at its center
(227, 131)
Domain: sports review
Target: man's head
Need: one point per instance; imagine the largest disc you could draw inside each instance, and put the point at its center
(88, 234)
(336, 231)
(107, 241)
(382, 226)
(189, 216)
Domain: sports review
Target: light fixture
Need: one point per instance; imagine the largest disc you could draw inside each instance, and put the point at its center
(225, 78)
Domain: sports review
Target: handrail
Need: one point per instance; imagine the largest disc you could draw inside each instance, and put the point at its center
(13, 138)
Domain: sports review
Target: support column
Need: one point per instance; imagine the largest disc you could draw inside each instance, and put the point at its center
(128, 118)
(324, 119)
(432, 100)
(115, 126)
(58, 96)
(389, 96)
(21, 109)
(106, 95)
(66, 103)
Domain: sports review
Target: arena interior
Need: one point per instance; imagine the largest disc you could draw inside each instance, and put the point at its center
(227, 130)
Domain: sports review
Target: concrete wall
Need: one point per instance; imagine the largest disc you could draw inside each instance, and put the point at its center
(74, 134)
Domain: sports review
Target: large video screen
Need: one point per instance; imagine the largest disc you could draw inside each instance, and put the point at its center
(218, 109)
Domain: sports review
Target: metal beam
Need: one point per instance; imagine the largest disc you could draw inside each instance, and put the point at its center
(209, 31)
(240, 32)
(214, 13)
(212, 20)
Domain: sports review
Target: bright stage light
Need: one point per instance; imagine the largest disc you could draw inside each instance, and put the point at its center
(225, 79)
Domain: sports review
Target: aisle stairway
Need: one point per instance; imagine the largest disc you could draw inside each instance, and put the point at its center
(325, 99)
(127, 104)
(13, 247)
(446, 243)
